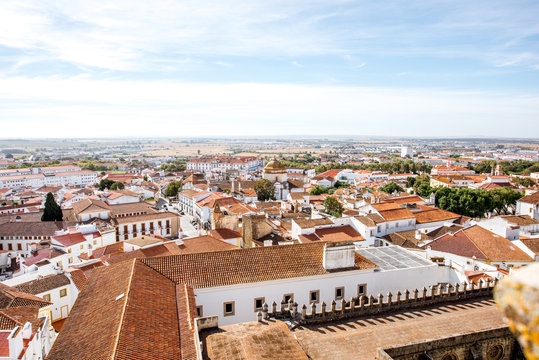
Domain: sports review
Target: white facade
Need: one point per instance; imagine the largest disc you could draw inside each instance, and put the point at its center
(524, 208)
(407, 151)
(239, 163)
(372, 281)
(48, 178)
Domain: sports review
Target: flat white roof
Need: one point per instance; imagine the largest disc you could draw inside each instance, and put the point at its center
(393, 257)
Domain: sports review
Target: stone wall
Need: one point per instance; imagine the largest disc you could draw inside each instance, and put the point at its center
(492, 344)
(365, 306)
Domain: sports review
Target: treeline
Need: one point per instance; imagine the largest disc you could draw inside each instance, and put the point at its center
(473, 203)
(395, 167)
(516, 167)
(34, 165)
(90, 165)
(174, 166)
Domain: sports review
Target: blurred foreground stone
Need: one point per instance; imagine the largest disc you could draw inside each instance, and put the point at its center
(518, 297)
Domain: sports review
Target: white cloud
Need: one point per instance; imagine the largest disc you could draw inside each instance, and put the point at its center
(83, 107)
(131, 34)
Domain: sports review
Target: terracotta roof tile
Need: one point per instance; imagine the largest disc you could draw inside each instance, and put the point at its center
(242, 266)
(78, 277)
(481, 243)
(149, 337)
(46, 283)
(101, 311)
(11, 297)
(531, 199)
(396, 214)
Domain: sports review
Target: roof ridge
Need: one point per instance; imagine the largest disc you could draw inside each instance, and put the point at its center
(473, 242)
(10, 318)
(126, 296)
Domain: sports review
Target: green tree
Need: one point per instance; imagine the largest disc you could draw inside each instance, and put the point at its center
(333, 206)
(484, 167)
(340, 184)
(117, 185)
(173, 188)
(52, 211)
(264, 190)
(504, 198)
(422, 186)
(104, 184)
(526, 182)
(410, 181)
(318, 190)
(9, 156)
(391, 187)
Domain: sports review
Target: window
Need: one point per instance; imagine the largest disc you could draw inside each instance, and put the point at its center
(82, 246)
(9, 246)
(200, 311)
(125, 229)
(70, 260)
(69, 250)
(259, 304)
(362, 290)
(228, 308)
(47, 297)
(314, 296)
(288, 297)
(95, 242)
(339, 293)
(19, 246)
(63, 293)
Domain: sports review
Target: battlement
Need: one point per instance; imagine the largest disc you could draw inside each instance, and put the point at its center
(365, 306)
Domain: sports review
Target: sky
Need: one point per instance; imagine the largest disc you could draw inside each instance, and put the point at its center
(170, 68)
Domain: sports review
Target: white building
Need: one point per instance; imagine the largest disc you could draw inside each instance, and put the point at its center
(59, 289)
(239, 163)
(529, 205)
(305, 274)
(407, 151)
(52, 176)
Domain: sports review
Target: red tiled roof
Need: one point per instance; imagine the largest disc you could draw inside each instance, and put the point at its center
(481, 243)
(242, 266)
(70, 239)
(223, 234)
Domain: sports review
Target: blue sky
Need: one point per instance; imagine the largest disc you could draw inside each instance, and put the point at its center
(192, 68)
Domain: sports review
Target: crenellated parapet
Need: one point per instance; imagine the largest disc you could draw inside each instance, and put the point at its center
(372, 305)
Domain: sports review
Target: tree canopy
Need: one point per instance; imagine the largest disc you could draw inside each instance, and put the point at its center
(318, 190)
(399, 166)
(476, 202)
(391, 187)
(117, 185)
(52, 211)
(333, 206)
(173, 188)
(104, 184)
(264, 190)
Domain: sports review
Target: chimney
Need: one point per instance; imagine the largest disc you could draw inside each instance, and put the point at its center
(339, 255)
(418, 235)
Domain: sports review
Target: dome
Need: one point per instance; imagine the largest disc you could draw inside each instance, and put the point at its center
(274, 166)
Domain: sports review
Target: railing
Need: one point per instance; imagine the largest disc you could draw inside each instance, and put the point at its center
(362, 306)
